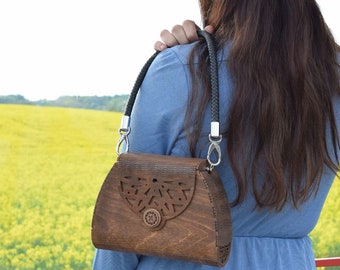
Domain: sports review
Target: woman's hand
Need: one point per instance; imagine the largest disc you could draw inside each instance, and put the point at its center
(180, 34)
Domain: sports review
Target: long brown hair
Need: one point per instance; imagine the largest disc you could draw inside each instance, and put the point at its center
(283, 60)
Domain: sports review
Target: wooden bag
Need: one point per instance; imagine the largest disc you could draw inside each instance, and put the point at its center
(164, 206)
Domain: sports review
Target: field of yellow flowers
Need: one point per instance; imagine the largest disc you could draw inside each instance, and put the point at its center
(52, 163)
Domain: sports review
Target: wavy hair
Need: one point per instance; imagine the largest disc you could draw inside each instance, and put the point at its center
(283, 60)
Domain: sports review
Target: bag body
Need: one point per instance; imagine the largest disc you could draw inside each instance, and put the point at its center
(163, 206)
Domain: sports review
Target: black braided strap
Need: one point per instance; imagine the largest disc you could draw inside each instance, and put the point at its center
(124, 128)
(137, 84)
(215, 117)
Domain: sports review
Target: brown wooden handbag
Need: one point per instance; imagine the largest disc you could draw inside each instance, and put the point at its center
(166, 206)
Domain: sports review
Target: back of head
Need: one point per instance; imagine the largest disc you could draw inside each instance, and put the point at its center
(284, 62)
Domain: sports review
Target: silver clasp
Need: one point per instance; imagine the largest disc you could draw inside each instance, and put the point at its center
(214, 146)
(124, 132)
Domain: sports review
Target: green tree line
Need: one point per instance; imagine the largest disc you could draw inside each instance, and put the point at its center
(106, 103)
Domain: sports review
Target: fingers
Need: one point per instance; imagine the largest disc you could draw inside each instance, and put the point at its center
(209, 28)
(180, 34)
(168, 38)
(159, 46)
(190, 30)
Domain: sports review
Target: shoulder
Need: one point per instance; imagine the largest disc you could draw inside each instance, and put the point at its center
(179, 55)
(182, 52)
(158, 113)
(172, 59)
(168, 79)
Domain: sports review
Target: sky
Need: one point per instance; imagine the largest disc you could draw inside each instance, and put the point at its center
(52, 48)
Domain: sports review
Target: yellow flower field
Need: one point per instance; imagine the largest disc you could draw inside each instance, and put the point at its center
(52, 163)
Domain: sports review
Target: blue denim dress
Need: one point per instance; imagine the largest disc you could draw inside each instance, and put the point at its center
(262, 239)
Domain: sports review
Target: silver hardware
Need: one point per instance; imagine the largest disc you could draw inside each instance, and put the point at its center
(215, 129)
(124, 132)
(214, 146)
(125, 122)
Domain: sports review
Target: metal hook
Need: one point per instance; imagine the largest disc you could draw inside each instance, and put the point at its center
(214, 146)
(124, 132)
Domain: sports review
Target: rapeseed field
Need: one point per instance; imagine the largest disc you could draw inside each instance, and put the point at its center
(52, 164)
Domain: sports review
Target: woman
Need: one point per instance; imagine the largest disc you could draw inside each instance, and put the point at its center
(280, 114)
